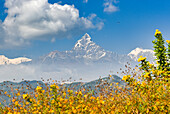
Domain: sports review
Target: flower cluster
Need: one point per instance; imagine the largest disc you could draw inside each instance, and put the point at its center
(141, 59)
(157, 32)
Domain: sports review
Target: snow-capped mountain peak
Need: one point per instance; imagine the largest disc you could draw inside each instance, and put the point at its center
(86, 36)
(83, 43)
(136, 53)
(85, 49)
(139, 50)
(6, 61)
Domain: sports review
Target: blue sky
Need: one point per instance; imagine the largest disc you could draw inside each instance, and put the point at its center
(33, 29)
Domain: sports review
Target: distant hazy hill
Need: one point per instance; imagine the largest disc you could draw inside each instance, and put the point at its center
(21, 86)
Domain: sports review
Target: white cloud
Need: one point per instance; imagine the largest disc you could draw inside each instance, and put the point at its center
(29, 20)
(110, 7)
(53, 40)
(98, 22)
(85, 1)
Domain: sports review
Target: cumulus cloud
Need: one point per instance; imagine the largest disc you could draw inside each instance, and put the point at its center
(98, 22)
(29, 20)
(110, 7)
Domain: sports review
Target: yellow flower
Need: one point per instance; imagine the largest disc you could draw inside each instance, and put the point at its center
(13, 100)
(155, 107)
(53, 101)
(125, 78)
(135, 83)
(141, 59)
(146, 75)
(34, 105)
(80, 93)
(9, 113)
(51, 111)
(18, 94)
(101, 101)
(36, 95)
(128, 103)
(168, 41)
(157, 32)
(43, 91)
(143, 84)
(25, 96)
(16, 103)
(54, 86)
(38, 88)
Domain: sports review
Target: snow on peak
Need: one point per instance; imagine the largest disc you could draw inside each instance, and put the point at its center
(86, 36)
(136, 53)
(88, 49)
(83, 42)
(140, 50)
(5, 61)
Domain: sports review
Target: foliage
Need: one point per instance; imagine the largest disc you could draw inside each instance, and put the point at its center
(147, 91)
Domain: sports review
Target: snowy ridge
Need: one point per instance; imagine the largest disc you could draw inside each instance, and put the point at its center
(140, 50)
(136, 53)
(88, 49)
(84, 50)
(83, 42)
(5, 61)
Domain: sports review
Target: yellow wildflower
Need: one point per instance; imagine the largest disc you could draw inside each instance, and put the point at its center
(18, 94)
(155, 107)
(157, 32)
(53, 101)
(143, 84)
(146, 75)
(16, 103)
(128, 103)
(27, 103)
(125, 78)
(80, 93)
(53, 86)
(168, 41)
(25, 96)
(43, 91)
(9, 113)
(13, 100)
(38, 88)
(141, 59)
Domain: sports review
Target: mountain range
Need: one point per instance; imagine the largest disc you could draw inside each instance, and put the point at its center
(85, 60)
(87, 52)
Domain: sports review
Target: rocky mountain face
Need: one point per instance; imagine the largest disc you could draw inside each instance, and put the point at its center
(86, 52)
(6, 61)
